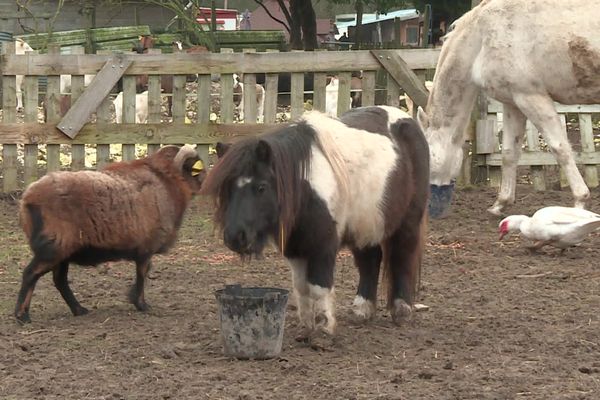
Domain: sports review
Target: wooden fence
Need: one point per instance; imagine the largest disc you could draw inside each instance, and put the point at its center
(34, 145)
(535, 153)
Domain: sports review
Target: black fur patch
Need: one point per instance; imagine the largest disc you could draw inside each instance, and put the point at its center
(314, 239)
(371, 119)
(94, 256)
(42, 246)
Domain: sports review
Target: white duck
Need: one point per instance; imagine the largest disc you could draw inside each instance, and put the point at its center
(560, 227)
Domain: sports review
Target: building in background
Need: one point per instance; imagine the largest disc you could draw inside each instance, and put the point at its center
(401, 28)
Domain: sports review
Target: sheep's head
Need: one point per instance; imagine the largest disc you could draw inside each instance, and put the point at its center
(189, 163)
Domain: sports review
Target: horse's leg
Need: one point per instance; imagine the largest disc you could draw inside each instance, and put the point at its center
(59, 276)
(304, 303)
(319, 276)
(540, 110)
(31, 274)
(404, 253)
(368, 261)
(512, 141)
(136, 295)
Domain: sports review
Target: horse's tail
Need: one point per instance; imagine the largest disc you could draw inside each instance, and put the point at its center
(402, 257)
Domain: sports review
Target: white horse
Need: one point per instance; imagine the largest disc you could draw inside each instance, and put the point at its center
(21, 47)
(526, 55)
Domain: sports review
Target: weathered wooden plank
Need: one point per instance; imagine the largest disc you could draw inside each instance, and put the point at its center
(207, 63)
(249, 93)
(543, 158)
(129, 111)
(588, 146)
(271, 93)
(203, 113)
(9, 110)
(297, 95)
(399, 70)
(77, 88)
(30, 102)
(104, 118)
(179, 98)
(486, 131)
(368, 88)
(344, 100)
(495, 106)
(105, 133)
(393, 92)
(320, 91)
(537, 172)
(154, 102)
(88, 102)
(52, 108)
(227, 109)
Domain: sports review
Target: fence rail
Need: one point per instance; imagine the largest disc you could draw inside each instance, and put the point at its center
(32, 145)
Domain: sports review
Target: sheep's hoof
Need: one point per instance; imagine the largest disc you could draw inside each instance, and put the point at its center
(142, 306)
(80, 311)
(23, 318)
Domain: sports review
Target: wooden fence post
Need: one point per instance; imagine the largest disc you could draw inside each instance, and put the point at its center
(9, 107)
(77, 88)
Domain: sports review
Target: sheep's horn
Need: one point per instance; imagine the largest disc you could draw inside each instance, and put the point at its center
(184, 153)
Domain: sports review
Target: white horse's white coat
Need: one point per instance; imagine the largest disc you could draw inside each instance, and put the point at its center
(525, 54)
(141, 107)
(21, 47)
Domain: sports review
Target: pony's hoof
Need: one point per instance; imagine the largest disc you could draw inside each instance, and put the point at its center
(401, 311)
(362, 310)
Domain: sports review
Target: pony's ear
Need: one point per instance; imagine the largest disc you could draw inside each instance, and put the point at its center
(263, 152)
(222, 148)
(422, 118)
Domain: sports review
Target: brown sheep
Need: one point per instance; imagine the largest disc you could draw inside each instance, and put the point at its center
(128, 211)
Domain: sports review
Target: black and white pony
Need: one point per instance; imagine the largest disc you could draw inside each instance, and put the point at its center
(320, 183)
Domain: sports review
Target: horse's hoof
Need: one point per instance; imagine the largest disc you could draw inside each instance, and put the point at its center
(495, 210)
(303, 335)
(79, 311)
(23, 318)
(401, 311)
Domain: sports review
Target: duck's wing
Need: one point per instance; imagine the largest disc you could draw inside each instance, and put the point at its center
(565, 215)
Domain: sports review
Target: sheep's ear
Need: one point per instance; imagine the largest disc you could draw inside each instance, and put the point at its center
(263, 152)
(422, 118)
(193, 166)
(222, 148)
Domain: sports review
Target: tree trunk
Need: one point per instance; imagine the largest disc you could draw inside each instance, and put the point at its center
(295, 25)
(358, 30)
(309, 25)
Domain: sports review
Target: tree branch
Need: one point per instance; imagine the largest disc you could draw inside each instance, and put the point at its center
(282, 5)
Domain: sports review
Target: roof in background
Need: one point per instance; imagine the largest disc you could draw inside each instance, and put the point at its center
(370, 18)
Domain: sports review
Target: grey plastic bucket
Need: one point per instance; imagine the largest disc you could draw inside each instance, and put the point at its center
(252, 321)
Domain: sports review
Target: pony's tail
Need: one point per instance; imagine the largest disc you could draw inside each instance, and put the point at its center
(408, 269)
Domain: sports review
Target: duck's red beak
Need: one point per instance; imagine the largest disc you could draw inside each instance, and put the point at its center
(503, 230)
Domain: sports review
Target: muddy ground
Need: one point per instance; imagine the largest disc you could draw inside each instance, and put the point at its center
(502, 324)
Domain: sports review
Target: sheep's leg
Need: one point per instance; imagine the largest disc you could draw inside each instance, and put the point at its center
(136, 296)
(31, 274)
(59, 275)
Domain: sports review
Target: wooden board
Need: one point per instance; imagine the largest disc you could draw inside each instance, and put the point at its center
(229, 63)
(105, 133)
(402, 73)
(9, 114)
(88, 102)
(368, 89)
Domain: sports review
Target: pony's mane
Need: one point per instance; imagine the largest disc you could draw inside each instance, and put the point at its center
(290, 147)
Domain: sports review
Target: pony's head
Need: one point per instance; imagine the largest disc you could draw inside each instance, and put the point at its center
(446, 156)
(247, 207)
(257, 185)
